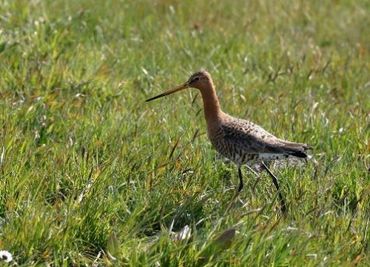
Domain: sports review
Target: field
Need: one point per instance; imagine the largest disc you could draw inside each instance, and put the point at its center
(91, 174)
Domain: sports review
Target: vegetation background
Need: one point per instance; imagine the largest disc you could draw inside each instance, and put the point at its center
(90, 174)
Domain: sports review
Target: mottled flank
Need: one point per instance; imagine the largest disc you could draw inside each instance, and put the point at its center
(244, 142)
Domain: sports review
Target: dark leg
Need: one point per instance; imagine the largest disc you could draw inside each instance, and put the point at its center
(240, 179)
(275, 181)
(237, 192)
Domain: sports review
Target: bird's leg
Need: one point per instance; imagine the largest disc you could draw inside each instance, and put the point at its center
(240, 179)
(236, 192)
(275, 181)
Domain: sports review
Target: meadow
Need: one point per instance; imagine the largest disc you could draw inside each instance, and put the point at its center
(90, 174)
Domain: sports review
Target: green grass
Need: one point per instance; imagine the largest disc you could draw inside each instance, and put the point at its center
(89, 172)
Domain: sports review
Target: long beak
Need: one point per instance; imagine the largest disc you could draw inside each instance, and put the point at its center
(171, 91)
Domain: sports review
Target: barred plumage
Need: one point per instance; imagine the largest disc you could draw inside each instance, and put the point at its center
(244, 142)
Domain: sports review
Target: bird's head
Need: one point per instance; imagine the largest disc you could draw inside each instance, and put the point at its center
(201, 80)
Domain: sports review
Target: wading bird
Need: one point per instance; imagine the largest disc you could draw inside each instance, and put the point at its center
(241, 141)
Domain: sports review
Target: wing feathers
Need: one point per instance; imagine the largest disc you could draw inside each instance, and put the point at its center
(253, 139)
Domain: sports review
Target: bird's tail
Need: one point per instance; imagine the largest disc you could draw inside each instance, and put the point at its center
(296, 149)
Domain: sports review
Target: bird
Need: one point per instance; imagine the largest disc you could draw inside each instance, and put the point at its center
(241, 141)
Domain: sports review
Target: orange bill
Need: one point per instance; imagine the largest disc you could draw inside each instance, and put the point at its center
(168, 92)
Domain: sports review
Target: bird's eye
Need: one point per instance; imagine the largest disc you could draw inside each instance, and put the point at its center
(195, 79)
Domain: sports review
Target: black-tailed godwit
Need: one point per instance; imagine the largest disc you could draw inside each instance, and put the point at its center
(241, 141)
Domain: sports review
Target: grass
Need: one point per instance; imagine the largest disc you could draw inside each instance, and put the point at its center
(90, 174)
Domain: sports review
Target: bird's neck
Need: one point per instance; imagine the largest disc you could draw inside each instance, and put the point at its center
(212, 109)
